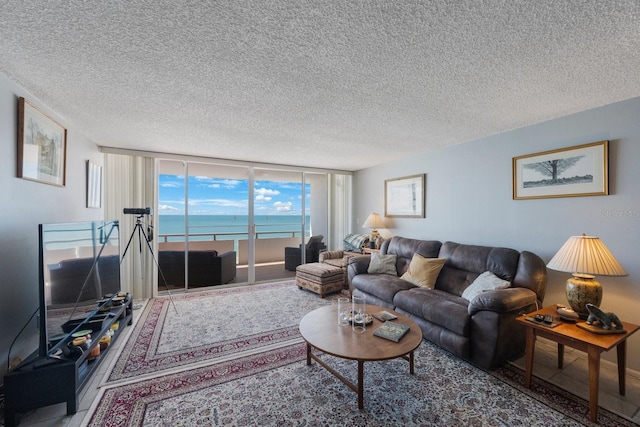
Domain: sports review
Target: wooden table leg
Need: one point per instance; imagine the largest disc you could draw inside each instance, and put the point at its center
(622, 366)
(308, 354)
(530, 347)
(360, 385)
(560, 356)
(594, 379)
(411, 370)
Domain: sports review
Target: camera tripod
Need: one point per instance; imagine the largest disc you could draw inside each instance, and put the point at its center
(141, 233)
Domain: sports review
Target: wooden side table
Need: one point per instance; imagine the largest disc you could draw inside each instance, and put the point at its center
(567, 333)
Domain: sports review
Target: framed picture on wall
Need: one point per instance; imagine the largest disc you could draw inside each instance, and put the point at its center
(94, 185)
(404, 197)
(42, 146)
(581, 170)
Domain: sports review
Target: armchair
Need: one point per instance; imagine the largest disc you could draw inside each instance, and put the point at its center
(293, 255)
(338, 259)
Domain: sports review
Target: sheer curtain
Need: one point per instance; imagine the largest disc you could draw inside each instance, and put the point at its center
(130, 182)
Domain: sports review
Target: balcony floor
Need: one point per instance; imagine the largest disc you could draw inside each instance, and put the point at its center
(267, 272)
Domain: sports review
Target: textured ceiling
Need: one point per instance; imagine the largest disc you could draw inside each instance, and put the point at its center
(331, 84)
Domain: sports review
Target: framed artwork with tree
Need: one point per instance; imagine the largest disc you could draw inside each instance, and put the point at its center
(581, 170)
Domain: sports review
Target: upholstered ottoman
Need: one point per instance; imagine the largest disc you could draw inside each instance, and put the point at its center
(319, 278)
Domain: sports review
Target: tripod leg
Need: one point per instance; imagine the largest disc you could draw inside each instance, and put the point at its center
(129, 243)
(159, 269)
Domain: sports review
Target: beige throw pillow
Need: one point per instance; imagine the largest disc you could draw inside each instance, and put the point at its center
(487, 281)
(382, 264)
(423, 271)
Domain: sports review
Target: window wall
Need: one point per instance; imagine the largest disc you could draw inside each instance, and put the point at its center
(254, 212)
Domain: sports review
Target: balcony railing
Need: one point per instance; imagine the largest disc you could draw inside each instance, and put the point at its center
(267, 247)
(225, 234)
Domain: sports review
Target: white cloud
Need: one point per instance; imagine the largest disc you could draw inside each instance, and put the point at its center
(167, 208)
(265, 194)
(283, 206)
(229, 183)
(219, 202)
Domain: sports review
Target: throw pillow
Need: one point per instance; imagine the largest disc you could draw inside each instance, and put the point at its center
(487, 281)
(382, 264)
(423, 271)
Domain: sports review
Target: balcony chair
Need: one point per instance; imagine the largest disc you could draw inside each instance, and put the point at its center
(293, 255)
(206, 268)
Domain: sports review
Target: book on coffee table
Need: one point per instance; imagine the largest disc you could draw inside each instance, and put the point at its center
(391, 330)
(383, 316)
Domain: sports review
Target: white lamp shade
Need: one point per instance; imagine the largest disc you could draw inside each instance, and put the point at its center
(373, 221)
(586, 255)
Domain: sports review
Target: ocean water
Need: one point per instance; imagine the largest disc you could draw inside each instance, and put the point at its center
(229, 227)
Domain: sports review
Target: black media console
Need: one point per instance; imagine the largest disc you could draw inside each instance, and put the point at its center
(43, 381)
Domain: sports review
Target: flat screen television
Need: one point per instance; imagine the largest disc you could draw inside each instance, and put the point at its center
(79, 272)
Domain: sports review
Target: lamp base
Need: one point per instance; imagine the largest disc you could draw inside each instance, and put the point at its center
(372, 239)
(581, 290)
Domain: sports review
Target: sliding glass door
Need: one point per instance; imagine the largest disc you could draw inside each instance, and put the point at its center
(202, 218)
(249, 214)
(279, 219)
(171, 220)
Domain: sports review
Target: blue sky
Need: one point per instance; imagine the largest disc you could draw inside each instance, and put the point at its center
(220, 196)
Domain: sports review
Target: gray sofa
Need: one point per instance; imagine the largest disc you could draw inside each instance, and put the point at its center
(482, 330)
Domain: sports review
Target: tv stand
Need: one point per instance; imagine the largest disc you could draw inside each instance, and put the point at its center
(43, 381)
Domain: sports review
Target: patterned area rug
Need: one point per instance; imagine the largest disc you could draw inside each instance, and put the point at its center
(277, 388)
(213, 325)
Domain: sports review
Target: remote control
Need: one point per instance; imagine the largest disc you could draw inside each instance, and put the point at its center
(548, 319)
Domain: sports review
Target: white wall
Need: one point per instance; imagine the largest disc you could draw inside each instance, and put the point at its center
(25, 204)
(469, 200)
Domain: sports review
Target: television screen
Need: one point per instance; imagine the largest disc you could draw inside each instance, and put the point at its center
(80, 266)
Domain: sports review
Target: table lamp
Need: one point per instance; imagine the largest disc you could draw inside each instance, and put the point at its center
(585, 257)
(373, 221)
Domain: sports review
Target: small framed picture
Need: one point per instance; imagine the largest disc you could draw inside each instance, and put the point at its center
(581, 170)
(94, 185)
(404, 197)
(42, 146)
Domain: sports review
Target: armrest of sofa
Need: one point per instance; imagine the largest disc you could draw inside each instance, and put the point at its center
(227, 266)
(358, 265)
(330, 255)
(503, 300)
(230, 255)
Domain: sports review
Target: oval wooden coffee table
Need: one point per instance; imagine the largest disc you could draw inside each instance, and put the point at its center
(320, 330)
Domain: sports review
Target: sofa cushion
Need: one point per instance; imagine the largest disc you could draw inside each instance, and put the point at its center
(383, 286)
(438, 307)
(466, 262)
(487, 281)
(423, 271)
(336, 262)
(404, 248)
(382, 264)
(319, 271)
